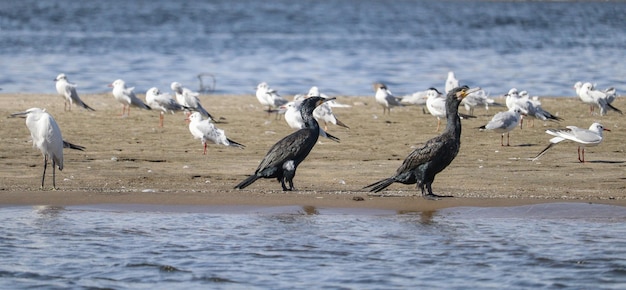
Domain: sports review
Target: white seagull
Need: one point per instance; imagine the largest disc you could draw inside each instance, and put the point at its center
(451, 82)
(602, 99)
(189, 99)
(415, 99)
(314, 91)
(126, 96)
(162, 102)
(436, 105)
(504, 122)
(478, 98)
(324, 113)
(47, 137)
(385, 98)
(269, 97)
(206, 131)
(293, 117)
(533, 109)
(585, 98)
(584, 137)
(68, 91)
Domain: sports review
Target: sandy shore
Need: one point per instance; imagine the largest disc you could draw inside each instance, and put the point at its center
(131, 160)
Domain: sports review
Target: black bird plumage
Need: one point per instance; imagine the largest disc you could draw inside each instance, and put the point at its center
(282, 160)
(425, 162)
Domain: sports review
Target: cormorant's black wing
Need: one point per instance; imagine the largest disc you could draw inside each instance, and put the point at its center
(421, 155)
(295, 146)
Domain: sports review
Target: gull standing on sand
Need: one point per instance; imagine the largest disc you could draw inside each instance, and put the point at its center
(436, 105)
(189, 99)
(324, 112)
(424, 163)
(504, 122)
(584, 137)
(415, 99)
(585, 98)
(602, 99)
(533, 109)
(451, 82)
(479, 98)
(126, 96)
(385, 98)
(46, 136)
(68, 91)
(206, 131)
(269, 97)
(293, 117)
(162, 102)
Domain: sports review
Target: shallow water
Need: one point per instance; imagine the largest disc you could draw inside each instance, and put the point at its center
(340, 46)
(569, 245)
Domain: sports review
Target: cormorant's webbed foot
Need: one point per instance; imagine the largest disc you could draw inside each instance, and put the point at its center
(432, 196)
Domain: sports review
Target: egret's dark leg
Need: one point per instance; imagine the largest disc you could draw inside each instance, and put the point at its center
(45, 164)
(54, 182)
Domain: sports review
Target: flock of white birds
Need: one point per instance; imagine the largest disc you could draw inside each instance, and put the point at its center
(46, 134)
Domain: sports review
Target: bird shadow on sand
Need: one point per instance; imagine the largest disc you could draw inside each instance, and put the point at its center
(606, 161)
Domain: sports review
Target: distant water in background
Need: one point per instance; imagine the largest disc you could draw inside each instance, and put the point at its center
(340, 46)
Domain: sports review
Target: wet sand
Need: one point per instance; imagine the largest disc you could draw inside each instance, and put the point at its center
(131, 160)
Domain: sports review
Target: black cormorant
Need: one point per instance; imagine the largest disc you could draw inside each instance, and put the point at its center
(425, 162)
(282, 160)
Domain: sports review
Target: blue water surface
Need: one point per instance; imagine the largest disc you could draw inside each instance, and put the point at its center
(566, 245)
(341, 46)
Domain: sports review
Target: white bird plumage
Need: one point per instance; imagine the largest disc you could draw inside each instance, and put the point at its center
(269, 97)
(385, 98)
(602, 99)
(162, 102)
(68, 91)
(204, 130)
(505, 122)
(293, 117)
(126, 96)
(189, 99)
(324, 113)
(584, 137)
(46, 136)
(451, 82)
(436, 105)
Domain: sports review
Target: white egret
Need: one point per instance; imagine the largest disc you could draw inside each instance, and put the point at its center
(47, 137)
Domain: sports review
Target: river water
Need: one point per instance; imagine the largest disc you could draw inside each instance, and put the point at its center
(341, 46)
(560, 245)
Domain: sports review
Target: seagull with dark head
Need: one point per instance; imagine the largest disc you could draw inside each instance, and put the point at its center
(282, 160)
(425, 162)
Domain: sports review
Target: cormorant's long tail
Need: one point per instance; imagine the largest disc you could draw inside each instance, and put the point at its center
(72, 146)
(235, 144)
(247, 181)
(380, 185)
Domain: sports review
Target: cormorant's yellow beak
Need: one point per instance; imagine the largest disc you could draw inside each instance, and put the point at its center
(324, 101)
(466, 91)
